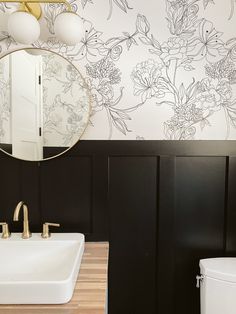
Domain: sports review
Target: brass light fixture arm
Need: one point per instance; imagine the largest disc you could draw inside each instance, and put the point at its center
(30, 5)
(40, 1)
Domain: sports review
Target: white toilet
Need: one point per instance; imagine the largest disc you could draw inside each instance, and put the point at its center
(218, 285)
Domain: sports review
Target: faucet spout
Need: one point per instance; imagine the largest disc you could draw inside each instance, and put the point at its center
(26, 232)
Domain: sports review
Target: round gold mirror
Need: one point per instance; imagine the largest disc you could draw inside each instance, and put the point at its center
(44, 104)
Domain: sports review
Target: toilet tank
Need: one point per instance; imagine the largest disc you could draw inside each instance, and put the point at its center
(218, 286)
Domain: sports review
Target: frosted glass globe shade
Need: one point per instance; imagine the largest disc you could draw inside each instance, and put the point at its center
(23, 27)
(69, 28)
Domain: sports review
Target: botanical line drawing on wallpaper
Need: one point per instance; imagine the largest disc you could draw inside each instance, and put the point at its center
(232, 6)
(65, 102)
(194, 45)
(121, 4)
(192, 104)
(232, 9)
(4, 107)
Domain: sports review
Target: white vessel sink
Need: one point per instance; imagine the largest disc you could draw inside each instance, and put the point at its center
(39, 271)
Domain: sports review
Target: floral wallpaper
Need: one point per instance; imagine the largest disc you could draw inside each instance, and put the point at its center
(65, 102)
(5, 110)
(160, 70)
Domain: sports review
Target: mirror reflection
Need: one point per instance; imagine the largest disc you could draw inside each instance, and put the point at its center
(44, 104)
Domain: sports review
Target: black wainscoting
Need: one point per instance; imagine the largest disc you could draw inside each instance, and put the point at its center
(163, 205)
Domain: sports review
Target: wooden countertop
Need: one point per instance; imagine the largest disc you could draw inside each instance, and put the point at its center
(90, 291)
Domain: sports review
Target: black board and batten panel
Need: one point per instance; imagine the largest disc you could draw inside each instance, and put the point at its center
(199, 221)
(163, 205)
(133, 186)
(66, 187)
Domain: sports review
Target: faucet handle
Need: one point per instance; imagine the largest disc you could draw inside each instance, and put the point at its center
(5, 230)
(46, 234)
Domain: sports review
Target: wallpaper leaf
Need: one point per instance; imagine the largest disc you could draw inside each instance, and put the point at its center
(6, 39)
(232, 9)
(142, 24)
(206, 2)
(85, 2)
(122, 4)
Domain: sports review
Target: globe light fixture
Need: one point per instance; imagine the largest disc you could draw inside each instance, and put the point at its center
(68, 28)
(24, 27)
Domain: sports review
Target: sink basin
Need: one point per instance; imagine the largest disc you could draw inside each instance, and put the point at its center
(39, 271)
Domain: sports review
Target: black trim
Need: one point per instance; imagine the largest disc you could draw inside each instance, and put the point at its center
(156, 148)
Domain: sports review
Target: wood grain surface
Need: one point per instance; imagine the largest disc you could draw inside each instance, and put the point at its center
(90, 292)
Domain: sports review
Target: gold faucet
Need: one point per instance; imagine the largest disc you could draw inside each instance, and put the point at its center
(26, 232)
(5, 230)
(46, 234)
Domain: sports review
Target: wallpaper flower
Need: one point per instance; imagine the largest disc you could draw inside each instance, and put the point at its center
(162, 69)
(65, 102)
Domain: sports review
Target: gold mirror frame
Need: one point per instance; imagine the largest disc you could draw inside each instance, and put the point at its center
(89, 112)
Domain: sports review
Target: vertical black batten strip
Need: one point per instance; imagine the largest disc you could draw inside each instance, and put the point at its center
(99, 195)
(92, 160)
(226, 204)
(231, 208)
(108, 198)
(157, 225)
(175, 212)
(108, 226)
(39, 193)
(20, 180)
(166, 241)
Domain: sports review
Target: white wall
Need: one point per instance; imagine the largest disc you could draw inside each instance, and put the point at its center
(157, 69)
